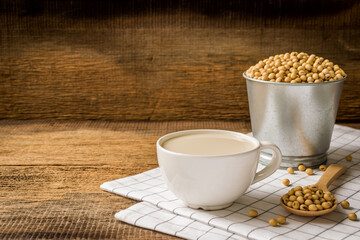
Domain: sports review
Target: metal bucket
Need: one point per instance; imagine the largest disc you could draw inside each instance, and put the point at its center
(298, 117)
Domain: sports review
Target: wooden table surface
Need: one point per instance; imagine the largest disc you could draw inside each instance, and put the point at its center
(50, 173)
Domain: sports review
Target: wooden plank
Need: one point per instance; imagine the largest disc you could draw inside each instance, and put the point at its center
(121, 144)
(58, 202)
(141, 60)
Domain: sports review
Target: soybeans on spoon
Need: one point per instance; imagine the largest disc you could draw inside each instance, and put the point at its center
(331, 174)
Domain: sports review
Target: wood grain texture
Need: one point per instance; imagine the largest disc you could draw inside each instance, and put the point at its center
(161, 60)
(51, 171)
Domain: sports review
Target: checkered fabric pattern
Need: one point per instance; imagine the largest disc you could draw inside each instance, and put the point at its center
(161, 211)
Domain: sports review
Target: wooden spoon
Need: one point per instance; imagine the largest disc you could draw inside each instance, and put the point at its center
(331, 174)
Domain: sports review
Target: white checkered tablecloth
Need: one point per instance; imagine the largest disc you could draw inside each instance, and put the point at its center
(161, 211)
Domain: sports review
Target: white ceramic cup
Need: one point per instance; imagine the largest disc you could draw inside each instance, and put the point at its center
(213, 182)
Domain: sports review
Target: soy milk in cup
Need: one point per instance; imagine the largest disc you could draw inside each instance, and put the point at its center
(210, 169)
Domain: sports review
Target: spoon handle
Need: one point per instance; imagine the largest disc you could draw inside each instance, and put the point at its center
(331, 174)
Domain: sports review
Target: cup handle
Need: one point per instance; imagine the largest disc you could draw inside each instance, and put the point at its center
(273, 165)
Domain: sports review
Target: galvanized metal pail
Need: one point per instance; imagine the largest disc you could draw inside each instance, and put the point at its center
(298, 117)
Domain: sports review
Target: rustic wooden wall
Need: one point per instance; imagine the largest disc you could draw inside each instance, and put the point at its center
(161, 60)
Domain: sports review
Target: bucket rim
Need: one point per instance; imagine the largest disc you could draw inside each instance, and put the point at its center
(293, 84)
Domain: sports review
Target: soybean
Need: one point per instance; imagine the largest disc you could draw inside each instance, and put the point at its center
(273, 222)
(253, 213)
(322, 167)
(313, 207)
(352, 216)
(304, 207)
(290, 170)
(345, 204)
(286, 182)
(309, 198)
(309, 171)
(296, 67)
(326, 205)
(301, 167)
(281, 219)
